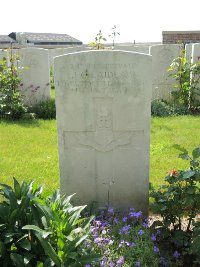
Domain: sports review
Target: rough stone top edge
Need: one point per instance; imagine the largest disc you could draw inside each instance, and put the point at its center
(35, 48)
(104, 51)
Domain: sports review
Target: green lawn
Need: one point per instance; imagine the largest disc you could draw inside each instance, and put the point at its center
(28, 150)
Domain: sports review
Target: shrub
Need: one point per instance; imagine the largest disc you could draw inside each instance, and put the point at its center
(11, 103)
(36, 230)
(177, 200)
(161, 108)
(44, 110)
(188, 76)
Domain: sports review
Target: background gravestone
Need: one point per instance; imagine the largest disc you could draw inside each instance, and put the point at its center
(195, 59)
(103, 116)
(188, 48)
(62, 51)
(133, 48)
(35, 75)
(162, 57)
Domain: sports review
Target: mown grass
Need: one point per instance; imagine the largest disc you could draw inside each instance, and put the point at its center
(28, 150)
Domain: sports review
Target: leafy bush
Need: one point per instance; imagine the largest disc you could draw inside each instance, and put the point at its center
(44, 110)
(188, 77)
(177, 200)
(11, 104)
(161, 108)
(36, 230)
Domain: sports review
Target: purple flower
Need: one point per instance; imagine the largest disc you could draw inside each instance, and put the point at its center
(120, 261)
(145, 224)
(125, 229)
(124, 219)
(131, 209)
(137, 263)
(140, 232)
(87, 265)
(158, 232)
(156, 249)
(116, 220)
(111, 264)
(111, 210)
(135, 214)
(98, 240)
(103, 262)
(98, 223)
(176, 254)
(153, 237)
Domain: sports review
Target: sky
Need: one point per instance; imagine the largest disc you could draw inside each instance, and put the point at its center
(135, 20)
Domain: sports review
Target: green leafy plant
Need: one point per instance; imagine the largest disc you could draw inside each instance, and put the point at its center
(178, 201)
(161, 108)
(114, 34)
(44, 110)
(97, 44)
(188, 77)
(39, 230)
(11, 103)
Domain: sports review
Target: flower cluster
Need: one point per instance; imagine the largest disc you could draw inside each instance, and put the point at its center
(124, 240)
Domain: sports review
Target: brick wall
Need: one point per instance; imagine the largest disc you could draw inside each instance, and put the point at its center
(176, 37)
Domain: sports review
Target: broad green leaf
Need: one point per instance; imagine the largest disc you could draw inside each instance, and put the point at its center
(13, 217)
(90, 258)
(42, 232)
(25, 244)
(49, 250)
(188, 174)
(194, 163)
(17, 188)
(17, 259)
(81, 240)
(4, 211)
(32, 227)
(196, 153)
(184, 156)
(2, 226)
(40, 264)
(2, 249)
(27, 258)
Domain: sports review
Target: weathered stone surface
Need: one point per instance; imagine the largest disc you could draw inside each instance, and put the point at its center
(162, 57)
(133, 48)
(103, 116)
(35, 75)
(65, 50)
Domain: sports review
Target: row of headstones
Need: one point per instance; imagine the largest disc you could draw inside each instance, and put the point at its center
(36, 64)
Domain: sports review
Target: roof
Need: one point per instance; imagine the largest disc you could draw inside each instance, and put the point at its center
(179, 32)
(4, 39)
(47, 38)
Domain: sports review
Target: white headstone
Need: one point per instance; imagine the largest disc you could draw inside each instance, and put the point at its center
(195, 59)
(62, 51)
(196, 53)
(103, 116)
(133, 48)
(35, 75)
(162, 57)
(188, 49)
